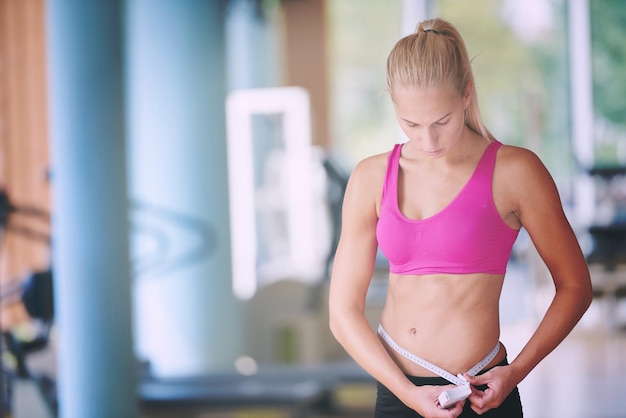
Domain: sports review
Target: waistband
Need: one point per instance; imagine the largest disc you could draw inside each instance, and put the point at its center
(457, 380)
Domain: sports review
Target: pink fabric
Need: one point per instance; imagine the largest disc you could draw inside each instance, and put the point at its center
(467, 236)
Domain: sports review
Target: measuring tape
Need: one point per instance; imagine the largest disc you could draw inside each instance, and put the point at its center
(457, 380)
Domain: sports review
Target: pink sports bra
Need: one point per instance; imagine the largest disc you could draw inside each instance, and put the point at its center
(467, 236)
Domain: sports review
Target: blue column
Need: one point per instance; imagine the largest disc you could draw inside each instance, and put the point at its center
(188, 321)
(96, 366)
(581, 107)
(252, 45)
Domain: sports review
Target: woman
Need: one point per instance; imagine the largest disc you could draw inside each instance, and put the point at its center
(445, 209)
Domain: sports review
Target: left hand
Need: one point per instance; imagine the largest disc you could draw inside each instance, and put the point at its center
(500, 383)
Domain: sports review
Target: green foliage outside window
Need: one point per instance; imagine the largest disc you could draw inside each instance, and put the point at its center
(608, 43)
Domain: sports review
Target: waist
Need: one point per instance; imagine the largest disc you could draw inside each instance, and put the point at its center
(440, 381)
(456, 379)
(465, 362)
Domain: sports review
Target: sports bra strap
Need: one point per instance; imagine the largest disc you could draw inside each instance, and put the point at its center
(390, 186)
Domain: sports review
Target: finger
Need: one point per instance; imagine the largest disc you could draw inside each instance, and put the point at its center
(484, 401)
(482, 406)
(475, 391)
(477, 399)
(474, 380)
(456, 410)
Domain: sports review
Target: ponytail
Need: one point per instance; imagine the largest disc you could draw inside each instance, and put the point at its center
(434, 56)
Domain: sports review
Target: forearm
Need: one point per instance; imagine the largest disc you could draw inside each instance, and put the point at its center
(567, 307)
(357, 337)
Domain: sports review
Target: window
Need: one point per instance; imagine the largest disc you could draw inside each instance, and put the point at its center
(360, 35)
(608, 60)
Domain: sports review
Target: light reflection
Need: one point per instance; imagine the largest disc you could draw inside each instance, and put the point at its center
(246, 366)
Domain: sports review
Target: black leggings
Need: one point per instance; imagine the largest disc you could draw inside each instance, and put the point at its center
(389, 406)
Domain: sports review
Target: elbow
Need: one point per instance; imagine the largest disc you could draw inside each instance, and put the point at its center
(334, 323)
(584, 295)
(577, 288)
(340, 321)
(587, 293)
(588, 298)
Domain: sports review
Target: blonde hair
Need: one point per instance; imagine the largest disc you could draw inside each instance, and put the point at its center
(433, 56)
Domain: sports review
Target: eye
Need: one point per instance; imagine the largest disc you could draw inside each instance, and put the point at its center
(411, 125)
(442, 123)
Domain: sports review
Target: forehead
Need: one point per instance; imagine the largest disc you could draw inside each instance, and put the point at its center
(425, 104)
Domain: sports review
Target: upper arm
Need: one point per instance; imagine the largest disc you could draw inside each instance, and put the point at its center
(356, 252)
(540, 211)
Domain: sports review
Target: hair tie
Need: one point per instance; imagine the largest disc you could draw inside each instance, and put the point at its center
(431, 30)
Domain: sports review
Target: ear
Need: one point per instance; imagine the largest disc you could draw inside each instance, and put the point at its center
(467, 97)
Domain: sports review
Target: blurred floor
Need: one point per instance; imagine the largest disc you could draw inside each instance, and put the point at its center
(582, 378)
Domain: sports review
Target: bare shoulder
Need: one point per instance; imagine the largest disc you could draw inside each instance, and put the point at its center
(526, 184)
(519, 168)
(371, 168)
(368, 177)
(511, 157)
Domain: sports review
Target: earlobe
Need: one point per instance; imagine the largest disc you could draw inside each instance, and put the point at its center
(468, 97)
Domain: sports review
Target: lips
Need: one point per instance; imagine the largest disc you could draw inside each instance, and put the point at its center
(435, 152)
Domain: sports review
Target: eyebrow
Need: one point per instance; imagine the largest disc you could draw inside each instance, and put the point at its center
(438, 120)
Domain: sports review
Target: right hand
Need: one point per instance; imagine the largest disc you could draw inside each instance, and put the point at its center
(425, 401)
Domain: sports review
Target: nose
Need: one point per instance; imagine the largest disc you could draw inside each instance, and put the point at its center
(429, 139)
